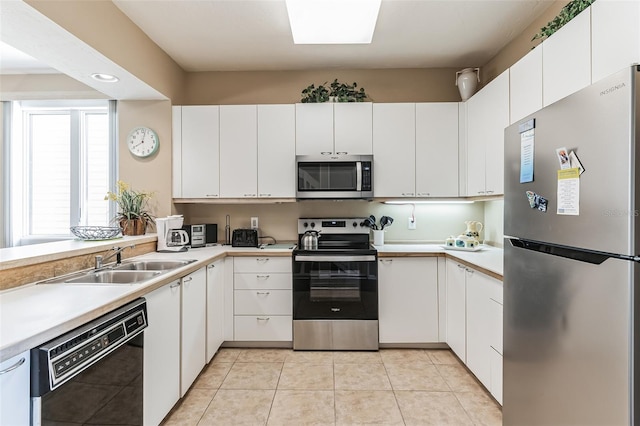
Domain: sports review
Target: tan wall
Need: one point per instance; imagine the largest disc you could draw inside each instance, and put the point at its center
(260, 87)
(44, 86)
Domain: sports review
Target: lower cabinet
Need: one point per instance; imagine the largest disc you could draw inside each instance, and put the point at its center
(474, 323)
(262, 299)
(408, 300)
(15, 398)
(162, 353)
(193, 328)
(215, 307)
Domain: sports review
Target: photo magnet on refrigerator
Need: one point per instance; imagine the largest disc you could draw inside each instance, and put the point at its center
(537, 201)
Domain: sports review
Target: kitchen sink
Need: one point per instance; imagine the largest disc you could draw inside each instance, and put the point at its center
(108, 276)
(151, 265)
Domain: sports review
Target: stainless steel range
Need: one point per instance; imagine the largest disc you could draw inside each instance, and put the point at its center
(335, 287)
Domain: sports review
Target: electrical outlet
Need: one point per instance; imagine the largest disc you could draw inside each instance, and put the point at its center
(412, 223)
(254, 223)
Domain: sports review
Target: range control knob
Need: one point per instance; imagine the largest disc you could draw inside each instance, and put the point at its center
(355, 224)
(313, 224)
(305, 224)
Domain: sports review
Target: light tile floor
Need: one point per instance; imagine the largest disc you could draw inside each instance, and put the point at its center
(286, 387)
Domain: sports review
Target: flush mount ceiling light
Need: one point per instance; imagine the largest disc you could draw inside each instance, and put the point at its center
(105, 78)
(333, 21)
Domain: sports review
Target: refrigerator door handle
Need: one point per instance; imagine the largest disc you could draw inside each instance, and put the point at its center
(575, 253)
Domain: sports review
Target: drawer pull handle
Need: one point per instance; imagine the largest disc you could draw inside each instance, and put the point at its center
(175, 285)
(262, 319)
(262, 259)
(386, 260)
(262, 277)
(211, 266)
(266, 293)
(186, 280)
(14, 366)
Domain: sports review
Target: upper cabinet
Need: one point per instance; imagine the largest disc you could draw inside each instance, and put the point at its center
(196, 154)
(566, 59)
(334, 128)
(394, 142)
(487, 117)
(615, 36)
(525, 85)
(276, 151)
(239, 151)
(436, 158)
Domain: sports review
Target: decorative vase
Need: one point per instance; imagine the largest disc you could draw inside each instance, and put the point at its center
(467, 81)
(133, 226)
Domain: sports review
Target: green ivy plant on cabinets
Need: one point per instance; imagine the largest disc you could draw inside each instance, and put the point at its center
(337, 92)
(567, 13)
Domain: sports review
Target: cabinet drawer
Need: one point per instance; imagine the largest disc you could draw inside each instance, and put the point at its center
(259, 302)
(262, 264)
(267, 328)
(248, 281)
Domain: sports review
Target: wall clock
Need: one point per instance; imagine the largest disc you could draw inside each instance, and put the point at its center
(143, 142)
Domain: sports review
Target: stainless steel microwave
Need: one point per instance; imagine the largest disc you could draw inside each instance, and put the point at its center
(344, 176)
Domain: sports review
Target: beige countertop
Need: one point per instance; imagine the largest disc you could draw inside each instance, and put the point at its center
(32, 314)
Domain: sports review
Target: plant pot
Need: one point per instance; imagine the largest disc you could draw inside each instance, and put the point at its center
(467, 81)
(133, 226)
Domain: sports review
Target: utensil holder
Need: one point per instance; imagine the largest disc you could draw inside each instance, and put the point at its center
(378, 237)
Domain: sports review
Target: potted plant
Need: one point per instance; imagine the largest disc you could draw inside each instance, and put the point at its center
(133, 215)
(567, 13)
(314, 94)
(337, 92)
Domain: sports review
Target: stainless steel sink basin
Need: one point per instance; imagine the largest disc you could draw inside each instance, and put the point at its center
(152, 265)
(114, 277)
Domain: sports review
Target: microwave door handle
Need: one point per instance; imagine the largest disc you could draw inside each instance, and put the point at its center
(358, 175)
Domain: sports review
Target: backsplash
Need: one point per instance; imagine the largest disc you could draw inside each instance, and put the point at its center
(434, 222)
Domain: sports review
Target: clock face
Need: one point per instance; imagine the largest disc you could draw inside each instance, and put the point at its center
(143, 142)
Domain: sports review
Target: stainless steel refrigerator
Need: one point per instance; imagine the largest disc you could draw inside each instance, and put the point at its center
(571, 271)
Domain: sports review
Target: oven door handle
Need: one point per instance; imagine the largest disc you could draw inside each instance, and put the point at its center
(358, 176)
(339, 258)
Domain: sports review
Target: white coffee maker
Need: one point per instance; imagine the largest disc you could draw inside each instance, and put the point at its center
(171, 237)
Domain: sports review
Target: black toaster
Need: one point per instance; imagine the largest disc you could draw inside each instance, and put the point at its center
(244, 238)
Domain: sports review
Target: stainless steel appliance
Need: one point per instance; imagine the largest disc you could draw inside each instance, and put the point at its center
(93, 374)
(334, 176)
(335, 287)
(202, 235)
(571, 304)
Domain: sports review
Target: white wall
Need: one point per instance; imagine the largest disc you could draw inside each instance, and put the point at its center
(493, 222)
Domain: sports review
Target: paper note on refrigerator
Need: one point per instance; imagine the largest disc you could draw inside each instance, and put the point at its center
(569, 192)
(526, 156)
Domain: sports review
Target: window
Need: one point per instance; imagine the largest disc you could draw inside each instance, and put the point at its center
(62, 165)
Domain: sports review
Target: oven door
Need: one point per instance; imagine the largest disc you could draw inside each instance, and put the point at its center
(335, 286)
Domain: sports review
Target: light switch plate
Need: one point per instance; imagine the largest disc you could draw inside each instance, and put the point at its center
(412, 223)
(254, 223)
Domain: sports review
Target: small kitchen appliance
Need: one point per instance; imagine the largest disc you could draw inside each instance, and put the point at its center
(334, 176)
(335, 286)
(244, 238)
(202, 235)
(171, 237)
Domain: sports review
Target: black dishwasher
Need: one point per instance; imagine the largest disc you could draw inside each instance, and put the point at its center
(93, 374)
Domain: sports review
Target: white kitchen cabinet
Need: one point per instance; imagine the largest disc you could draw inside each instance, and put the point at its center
(457, 308)
(262, 299)
(408, 300)
(496, 375)
(334, 128)
(615, 36)
(566, 59)
(215, 307)
(276, 151)
(487, 117)
(193, 327)
(238, 151)
(436, 157)
(525, 85)
(161, 388)
(196, 152)
(394, 141)
(15, 386)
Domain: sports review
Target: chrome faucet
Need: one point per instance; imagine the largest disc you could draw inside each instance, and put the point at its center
(116, 252)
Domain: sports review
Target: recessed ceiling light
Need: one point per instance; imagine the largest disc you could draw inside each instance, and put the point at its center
(105, 78)
(333, 21)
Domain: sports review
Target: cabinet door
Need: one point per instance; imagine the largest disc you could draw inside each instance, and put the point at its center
(314, 129)
(566, 59)
(15, 400)
(239, 151)
(615, 36)
(525, 85)
(215, 307)
(194, 320)
(496, 376)
(496, 119)
(456, 308)
(353, 128)
(475, 158)
(394, 149)
(408, 300)
(176, 151)
(436, 149)
(276, 151)
(200, 152)
(161, 353)
(478, 355)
